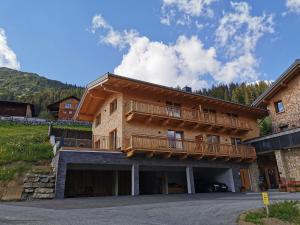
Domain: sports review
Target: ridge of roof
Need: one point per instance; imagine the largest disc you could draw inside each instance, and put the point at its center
(108, 74)
(284, 75)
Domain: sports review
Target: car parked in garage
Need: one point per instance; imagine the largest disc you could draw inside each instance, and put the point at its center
(210, 186)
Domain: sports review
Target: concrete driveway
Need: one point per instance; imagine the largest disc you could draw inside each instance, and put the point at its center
(204, 209)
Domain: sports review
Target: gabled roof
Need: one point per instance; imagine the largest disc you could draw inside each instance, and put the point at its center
(61, 100)
(117, 81)
(280, 83)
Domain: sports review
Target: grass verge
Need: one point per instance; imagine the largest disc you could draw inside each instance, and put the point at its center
(287, 211)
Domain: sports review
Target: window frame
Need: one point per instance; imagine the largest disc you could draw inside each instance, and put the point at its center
(276, 105)
(113, 106)
(98, 120)
(68, 105)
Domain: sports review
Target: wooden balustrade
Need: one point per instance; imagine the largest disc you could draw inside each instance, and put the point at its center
(185, 114)
(189, 147)
(106, 143)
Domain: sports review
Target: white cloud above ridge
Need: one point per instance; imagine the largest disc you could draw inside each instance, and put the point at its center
(188, 60)
(293, 6)
(183, 12)
(7, 56)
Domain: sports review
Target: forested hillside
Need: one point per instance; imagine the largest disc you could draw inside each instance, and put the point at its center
(241, 93)
(32, 88)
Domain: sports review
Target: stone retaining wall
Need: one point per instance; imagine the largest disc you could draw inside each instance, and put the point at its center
(38, 186)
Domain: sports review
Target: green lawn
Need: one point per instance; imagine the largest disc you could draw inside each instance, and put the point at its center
(20, 146)
(23, 145)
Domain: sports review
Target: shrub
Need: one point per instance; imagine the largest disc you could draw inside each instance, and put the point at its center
(286, 211)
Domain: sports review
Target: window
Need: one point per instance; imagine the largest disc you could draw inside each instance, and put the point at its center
(173, 109)
(68, 105)
(98, 120)
(233, 119)
(113, 139)
(175, 139)
(210, 115)
(236, 141)
(113, 106)
(279, 108)
(213, 142)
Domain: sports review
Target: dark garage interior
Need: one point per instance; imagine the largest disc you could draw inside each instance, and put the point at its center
(203, 176)
(92, 182)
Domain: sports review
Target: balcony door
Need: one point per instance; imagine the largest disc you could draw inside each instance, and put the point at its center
(210, 115)
(113, 140)
(213, 142)
(175, 139)
(173, 109)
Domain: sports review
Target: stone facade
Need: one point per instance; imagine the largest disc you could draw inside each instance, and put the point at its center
(288, 163)
(290, 97)
(38, 186)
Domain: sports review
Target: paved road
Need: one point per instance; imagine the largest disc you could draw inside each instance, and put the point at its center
(202, 209)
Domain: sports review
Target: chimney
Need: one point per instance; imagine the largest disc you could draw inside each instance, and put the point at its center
(187, 89)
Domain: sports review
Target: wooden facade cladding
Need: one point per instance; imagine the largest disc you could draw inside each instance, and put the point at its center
(184, 117)
(144, 115)
(154, 145)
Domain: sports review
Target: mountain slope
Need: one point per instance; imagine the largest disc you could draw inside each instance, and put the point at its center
(35, 89)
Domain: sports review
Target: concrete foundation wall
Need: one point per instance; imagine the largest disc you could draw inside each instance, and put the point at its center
(65, 158)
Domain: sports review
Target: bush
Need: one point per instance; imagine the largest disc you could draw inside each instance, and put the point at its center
(286, 211)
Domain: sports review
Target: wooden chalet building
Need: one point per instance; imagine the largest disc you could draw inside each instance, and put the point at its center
(279, 152)
(152, 139)
(17, 109)
(64, 109)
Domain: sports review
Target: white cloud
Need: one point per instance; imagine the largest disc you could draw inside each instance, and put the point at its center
(293, 6)
(189, 61)
(171, 65)
(181, 11)
(7, 57)
(237, 36)
(112, 36)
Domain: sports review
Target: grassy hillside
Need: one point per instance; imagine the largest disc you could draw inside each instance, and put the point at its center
(32, 88)
(20, 147)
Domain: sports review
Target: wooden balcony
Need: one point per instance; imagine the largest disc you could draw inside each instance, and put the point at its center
(153, 145)
(183, 117)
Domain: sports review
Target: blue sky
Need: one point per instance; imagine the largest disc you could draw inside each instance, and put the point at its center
(171, 42)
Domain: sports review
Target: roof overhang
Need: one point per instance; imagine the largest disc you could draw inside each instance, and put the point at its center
(97, 91)
(279, 84)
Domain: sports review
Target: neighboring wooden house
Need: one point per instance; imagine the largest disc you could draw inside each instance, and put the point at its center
(64, 109)
(152, 139)
(20, 109)
(279, 152)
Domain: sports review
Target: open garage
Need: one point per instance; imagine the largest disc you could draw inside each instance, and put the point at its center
(92, 180)
(204, 177)
(162, 180)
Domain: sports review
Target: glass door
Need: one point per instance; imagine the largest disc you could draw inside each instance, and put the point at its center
(175, 139)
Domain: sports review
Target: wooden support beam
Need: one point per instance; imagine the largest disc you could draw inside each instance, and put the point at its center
(130, 153)
(168, 155)
(183, 156)
(150, 155)
(149, 120)
(166, 122)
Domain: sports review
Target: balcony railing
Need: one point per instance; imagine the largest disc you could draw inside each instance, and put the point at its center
(107, 143)
(186, 114)
(189, 147)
